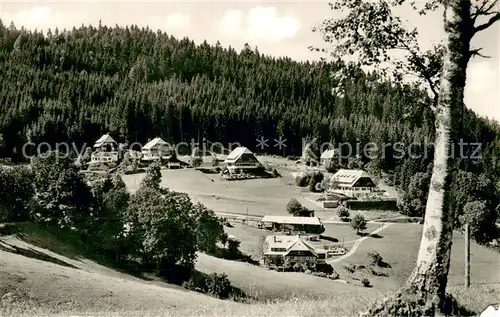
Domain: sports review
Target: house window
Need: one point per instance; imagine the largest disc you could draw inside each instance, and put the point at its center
(278, 249)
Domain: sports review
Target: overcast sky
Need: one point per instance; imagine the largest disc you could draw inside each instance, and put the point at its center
(277, 28)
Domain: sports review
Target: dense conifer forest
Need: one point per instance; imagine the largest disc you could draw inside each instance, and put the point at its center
(137, 84)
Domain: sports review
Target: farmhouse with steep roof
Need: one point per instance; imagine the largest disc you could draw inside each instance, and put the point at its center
(241, 159)
(105, 150)
(352, 183)
(283, 251)
(155, 149)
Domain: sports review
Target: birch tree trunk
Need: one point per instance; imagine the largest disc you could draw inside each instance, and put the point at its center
(425, 290)
(430, 275)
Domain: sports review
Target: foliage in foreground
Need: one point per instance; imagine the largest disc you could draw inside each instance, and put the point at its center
(160, 228)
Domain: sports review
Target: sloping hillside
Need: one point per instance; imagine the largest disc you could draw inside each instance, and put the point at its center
(36, 281)
(33, 276)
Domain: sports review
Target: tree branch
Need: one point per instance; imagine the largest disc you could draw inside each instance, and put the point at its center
(419, 64)
(486, 25)
(475, 52)
(484, 10)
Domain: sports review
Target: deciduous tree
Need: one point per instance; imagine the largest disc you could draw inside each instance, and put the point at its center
(370, 30)
(358, 223)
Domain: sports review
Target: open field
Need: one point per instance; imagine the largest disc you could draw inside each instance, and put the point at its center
(399, 245)
(260, 196)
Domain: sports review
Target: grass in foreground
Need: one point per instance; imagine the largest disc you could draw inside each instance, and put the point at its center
(476, 299)
(399, 247)
(35, 287)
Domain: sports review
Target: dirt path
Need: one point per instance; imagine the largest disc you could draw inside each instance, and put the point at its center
(357, 243)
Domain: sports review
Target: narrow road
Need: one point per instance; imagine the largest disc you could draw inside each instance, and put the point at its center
(357, 243)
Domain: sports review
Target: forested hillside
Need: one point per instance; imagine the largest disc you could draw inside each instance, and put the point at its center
(138, 84)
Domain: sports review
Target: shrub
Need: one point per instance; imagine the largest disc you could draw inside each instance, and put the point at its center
(332, 166)
(153, 176)
(343, 213)
(197, 161)
(319, 187)
(312, 185)
(325, 268)
(375, 258)
(358, 223)
(294, 207)
(232, 246)
(316, 178)
(365, 282)
(215, 162)
(303, 180)
(378, 273)
(218, 285)
(350, 268)
(297, 267)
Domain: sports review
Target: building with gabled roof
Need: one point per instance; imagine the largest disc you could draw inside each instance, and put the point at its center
(290, 223)
(281, 251)
(105, 150)
(155, 150)
(327, 156)
(352, 182)
(105, 140)
(241, 158)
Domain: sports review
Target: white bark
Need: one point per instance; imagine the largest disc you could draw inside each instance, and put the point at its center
(431, 271)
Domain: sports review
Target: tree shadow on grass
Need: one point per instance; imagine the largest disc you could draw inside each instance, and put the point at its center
(384, 265)
(30, 253)
(327, 238)
(366, 234)
(68, 244)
